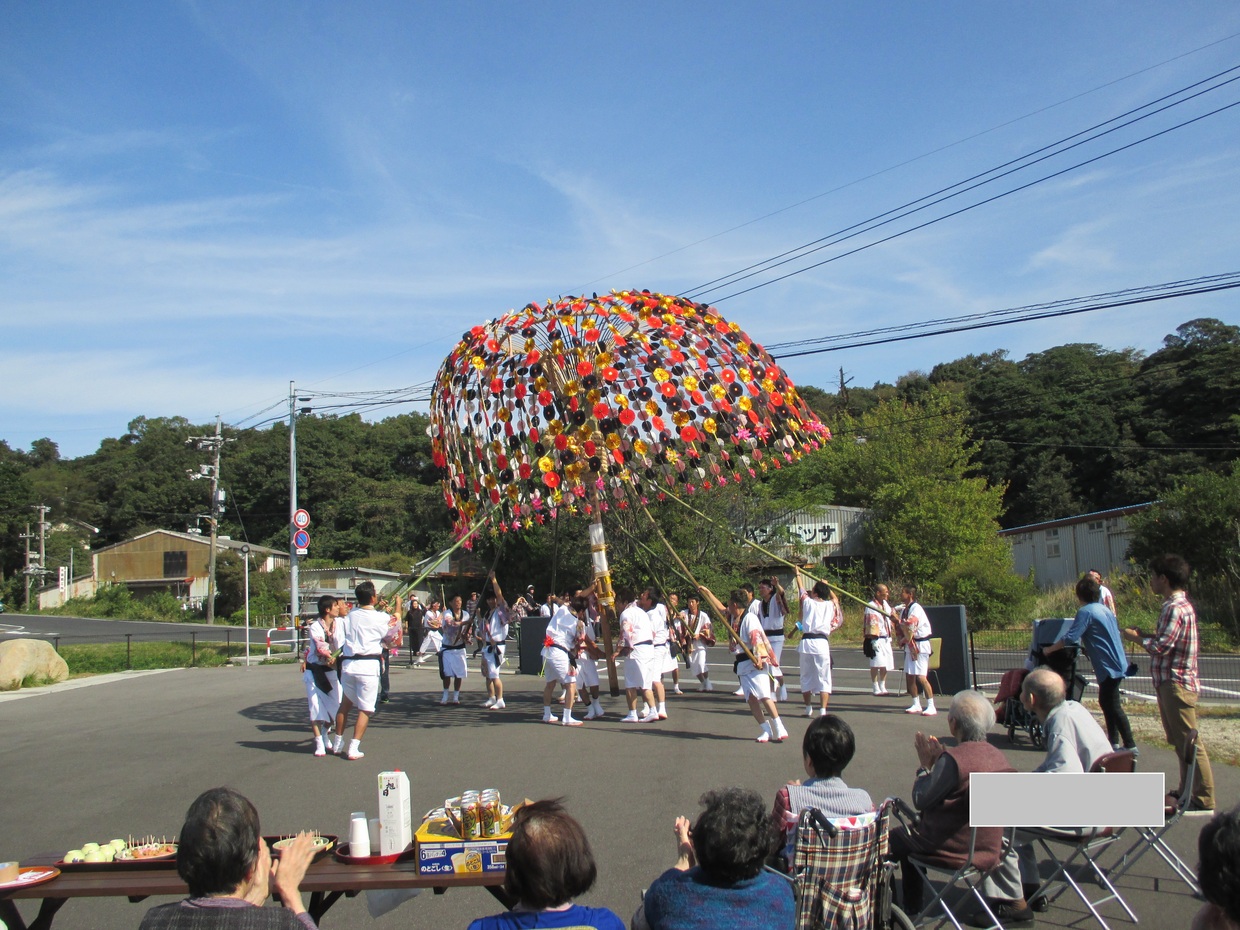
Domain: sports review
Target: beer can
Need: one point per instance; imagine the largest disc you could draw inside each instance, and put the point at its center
(471, 816)
(492, 824)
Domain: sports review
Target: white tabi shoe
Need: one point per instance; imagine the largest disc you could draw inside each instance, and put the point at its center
(677, 690)
(489, 702)
(781, 734)
(650, 717)
(739, 692)
(499, 705)
(930, 711)
(914, 709)
(630, 717)
(571, 721)
(809, 711)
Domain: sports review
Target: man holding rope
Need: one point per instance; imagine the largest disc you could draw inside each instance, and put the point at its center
(564, 634)
(916, 631)
(455, 625)
(773, 605)
(877, 626)
(494, 635)
(366, 632)
(758, 670)
(637, 645)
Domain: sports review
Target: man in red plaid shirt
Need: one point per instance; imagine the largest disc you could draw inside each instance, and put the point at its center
(1173, 667)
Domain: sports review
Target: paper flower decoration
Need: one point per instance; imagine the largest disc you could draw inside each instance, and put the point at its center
(587, 399)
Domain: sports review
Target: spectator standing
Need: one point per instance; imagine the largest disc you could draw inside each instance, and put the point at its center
(1097, 632)
(1173, 668)
(1105, 597)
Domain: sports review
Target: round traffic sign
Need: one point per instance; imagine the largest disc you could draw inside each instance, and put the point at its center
(301, 539)
(301, 519)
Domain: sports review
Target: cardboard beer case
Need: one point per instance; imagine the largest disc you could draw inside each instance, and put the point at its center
(442, 851)
(395, 814)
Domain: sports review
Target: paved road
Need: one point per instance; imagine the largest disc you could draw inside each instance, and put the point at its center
(94, 630)
(128, 756)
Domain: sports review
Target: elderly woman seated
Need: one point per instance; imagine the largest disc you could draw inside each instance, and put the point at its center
(549, 863)
(718, 882)
(230, 873)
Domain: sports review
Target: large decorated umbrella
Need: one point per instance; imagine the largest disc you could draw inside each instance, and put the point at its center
(579, 403)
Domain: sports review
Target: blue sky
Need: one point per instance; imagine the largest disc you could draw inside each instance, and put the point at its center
(200, 202)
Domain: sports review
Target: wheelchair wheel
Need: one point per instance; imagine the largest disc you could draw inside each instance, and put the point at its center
(898, 920)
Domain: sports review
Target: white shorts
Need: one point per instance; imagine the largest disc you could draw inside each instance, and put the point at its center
(917, 665)
(492, 659)
(322, 706)
(556, 666)
(635, 674)
(777, 647)
(697, 660)
(452, 664)
(756, 682)
(816, 672)
(362, 690)
(667, 660)
(432, 643)
(587, 672)
(882, 654)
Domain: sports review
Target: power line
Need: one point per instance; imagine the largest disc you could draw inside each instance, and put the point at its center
(910, 161)
(991, 318)
(958, 212)
(1012, 166)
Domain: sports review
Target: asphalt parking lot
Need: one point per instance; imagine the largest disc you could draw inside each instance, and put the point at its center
(127, 756)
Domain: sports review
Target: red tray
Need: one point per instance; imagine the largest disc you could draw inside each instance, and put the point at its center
(342, 855)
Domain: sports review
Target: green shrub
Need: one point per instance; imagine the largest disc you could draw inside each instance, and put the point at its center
(992, 594)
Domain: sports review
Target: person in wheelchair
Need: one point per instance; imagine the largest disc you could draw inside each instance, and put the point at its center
(826, 750)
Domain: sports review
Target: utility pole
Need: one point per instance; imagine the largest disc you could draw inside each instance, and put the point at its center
(29, 570)
(294, 598)
(294, 592)
(211, 444)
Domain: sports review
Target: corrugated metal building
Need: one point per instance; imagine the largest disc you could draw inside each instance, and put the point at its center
(1058, 552)
(164, 560)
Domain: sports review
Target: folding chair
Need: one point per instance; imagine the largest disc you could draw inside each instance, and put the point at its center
(1087, 846)
(935, 661)
(840, 873)
(968, 876)
(1152, 837)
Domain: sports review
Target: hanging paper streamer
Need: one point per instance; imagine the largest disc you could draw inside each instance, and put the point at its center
(581, 401)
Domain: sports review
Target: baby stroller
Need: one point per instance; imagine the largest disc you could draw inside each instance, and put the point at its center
(840, 873)
(1045, 632)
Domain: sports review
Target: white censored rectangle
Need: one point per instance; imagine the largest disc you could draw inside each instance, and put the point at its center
(1062, 799)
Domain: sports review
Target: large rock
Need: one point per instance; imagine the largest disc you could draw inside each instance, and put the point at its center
(22, 658)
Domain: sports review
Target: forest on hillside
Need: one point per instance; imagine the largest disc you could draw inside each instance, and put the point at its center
(943, 459)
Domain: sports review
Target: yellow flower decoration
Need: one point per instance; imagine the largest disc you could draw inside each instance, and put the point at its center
(602, 360)
(672, 456)
(661, 375)
(691, 383)
(652, 408)
(488, 480)
(540, 383)
(504, 414)
(478, 362)
(546, 463)
(513, 492)
(557, 344)
(639, 446)
(571, 387)
(717, 391)
(745, 374)
(612, 441)
(557, 496)
(768, 384)
(620, 401)
(680, 418)
(709, 425)
(745, 403)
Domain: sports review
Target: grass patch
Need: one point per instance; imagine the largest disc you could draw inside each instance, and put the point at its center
(103, 658)
(36, 681)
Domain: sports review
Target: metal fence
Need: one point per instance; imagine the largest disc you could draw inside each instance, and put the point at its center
(993, 652)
